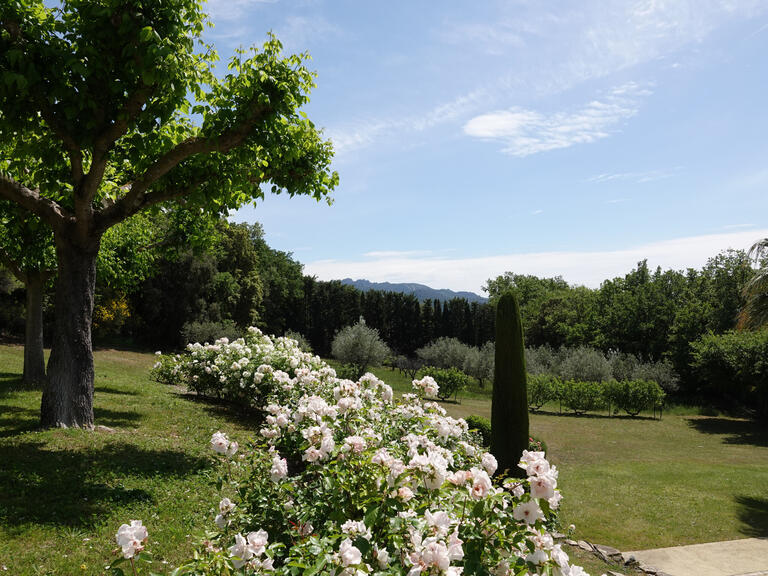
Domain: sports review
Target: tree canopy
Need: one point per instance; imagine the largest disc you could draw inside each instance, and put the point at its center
(111, 108)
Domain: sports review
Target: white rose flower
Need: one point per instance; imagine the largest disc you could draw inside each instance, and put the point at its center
(131, 538)
(489, 463)
(528, 512)
(349, 554)
(279, 468)
(219, 442)
(542, 486)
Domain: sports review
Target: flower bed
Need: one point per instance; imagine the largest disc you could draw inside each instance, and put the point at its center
(344, 480)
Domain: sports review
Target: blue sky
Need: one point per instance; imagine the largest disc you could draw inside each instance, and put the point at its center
(570, 138)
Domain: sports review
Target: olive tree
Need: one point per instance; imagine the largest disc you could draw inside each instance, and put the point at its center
(112, 108)
(359, 347)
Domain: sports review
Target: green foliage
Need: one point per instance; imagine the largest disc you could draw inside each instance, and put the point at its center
(542, 388)
(536, 444)
(209, 331)
(509, 409)
(633, 396)
(734, 365)
(450, 380)
(662, 372)
(482, 426)
(623, 365)
(581, 397)
(303, 343)
(360, 347)
(584, 364)
(754, 314)
(444, 353)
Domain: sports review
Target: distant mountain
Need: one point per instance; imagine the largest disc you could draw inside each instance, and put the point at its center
(421, 291)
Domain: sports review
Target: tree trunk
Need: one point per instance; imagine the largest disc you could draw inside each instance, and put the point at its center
(34, 359)
(68, 395)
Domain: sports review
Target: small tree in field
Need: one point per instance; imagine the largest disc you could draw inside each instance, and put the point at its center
(112, 108)
(359, 347)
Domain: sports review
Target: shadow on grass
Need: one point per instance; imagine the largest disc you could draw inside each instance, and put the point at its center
(747, 432)
(17, 420)
(221, 408)
(10, 383)
(115, 418)
(753, 513)
(571, 414)
(74, 488)
(101, 389)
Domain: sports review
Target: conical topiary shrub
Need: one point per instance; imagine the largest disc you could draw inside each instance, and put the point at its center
(509, 411)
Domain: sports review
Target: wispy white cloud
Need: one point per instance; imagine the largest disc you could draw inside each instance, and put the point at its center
(738, 226)
(397, 253)
(537, 212)
(524, 132)
(297, 33)
(221, 10)
(359, 134)
(638, 177)
(596, 38)
(578, 267)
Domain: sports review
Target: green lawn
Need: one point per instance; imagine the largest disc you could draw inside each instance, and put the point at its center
(644, 483)
(63, 493)
(627, 483)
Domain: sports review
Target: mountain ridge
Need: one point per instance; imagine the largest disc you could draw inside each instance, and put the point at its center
(420, 291)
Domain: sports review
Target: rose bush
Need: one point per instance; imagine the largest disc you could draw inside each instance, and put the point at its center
(343, 479)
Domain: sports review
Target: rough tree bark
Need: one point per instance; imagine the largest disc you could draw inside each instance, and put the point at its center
(68, 394)
(34, 359)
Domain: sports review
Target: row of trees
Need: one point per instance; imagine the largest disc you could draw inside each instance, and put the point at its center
(196, 279)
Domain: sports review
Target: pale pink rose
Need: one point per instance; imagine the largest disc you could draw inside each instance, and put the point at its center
(279, 468)
(382, 557)
(404, 493)
(489, 463)
(131, 538)
(240, 552)
(258, 542)
(312, 454)
(460, 477)
(219, 442)
(226, 506)
(439, 521)
(455, 551)
(527, 512)
(356, 528)
(537, 557)
(355, 444)
(349, 554)
(542, 486)
(481, 484)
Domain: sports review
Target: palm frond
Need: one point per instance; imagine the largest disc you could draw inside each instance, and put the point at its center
(754, 315)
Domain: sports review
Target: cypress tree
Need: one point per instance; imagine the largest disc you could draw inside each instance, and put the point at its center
(509, 411)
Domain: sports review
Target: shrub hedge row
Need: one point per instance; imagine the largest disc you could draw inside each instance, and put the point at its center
(631, 396)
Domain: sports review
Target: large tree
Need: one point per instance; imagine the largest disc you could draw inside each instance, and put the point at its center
(111, 107)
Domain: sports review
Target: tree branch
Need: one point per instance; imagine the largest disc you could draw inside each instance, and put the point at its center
(137, 198)
(70, 146)
(15, 269)
(48, 210)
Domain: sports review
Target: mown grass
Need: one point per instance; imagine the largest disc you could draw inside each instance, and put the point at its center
(63, 493)
(628, 483)
(638, 483)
